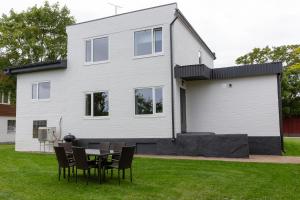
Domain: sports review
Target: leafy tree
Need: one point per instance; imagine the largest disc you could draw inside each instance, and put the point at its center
(35, 35)
(289, 55)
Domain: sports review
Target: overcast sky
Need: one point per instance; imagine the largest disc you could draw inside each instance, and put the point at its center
(230, 28)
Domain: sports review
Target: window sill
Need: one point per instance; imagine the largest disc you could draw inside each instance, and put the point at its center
(148, 56)
(40, 100)
(96, 118)
(150, 116)
(96, 63)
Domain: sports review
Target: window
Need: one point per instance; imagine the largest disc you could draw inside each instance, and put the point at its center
(96, 50)
(41, 90)
(96, 104)
(4, 98)
(148, 101)
(148, 41)
(36, 125)
(11, 126)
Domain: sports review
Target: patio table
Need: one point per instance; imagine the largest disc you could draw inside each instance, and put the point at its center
(101, 156)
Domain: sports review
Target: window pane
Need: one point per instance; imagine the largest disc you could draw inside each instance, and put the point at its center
(100, 49)
(88, 51)
(44, 90)
(34, 91)
(88, 104)
(159, 100)
(158, 39)
(143, 101)
(5, 98)
(11, 126)
(142, 42)
(36, 125)
(101, 104)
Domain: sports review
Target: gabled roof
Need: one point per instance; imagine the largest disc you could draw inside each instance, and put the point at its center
(194, 32)
(36, 67)
(202, 72)
(7, 110)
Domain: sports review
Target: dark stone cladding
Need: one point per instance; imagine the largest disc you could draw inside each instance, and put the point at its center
(266, 145)
(36, 67)
(202, 72)
(197, 144)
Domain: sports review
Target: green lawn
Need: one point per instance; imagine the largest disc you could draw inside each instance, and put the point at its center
(292, 146)
(34, 177)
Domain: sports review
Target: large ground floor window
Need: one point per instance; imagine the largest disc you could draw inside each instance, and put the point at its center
(96, 104)
(36, 125)
(148, 100)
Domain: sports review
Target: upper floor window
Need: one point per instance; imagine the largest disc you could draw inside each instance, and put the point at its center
(148, 41)
(41, 90)
(4, 98)
(148, 100)
(96, 104)
(96, 50)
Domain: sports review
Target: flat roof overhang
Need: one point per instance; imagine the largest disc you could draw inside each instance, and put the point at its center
(193, 72)
(202, 72)
(36, 67)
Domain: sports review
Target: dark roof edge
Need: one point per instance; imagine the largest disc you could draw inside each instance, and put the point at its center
(36, 67)
(194, 32)
(198, 71)
(123, 14)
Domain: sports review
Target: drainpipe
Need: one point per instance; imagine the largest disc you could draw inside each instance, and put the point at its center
(280, 111)
(172, 76)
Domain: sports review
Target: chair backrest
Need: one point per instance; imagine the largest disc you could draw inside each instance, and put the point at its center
(67, 146)
(104, 146)
(93, 145)
(61, 156)
(117, 146)
(126, 157)
(80, 158)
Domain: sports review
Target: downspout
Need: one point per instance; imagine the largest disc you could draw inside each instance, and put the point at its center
(280, 110)
(172, 75)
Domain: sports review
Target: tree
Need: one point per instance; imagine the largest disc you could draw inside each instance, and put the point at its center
(289, 55)
(35, 35)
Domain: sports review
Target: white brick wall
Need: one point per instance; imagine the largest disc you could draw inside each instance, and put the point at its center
(249, 107)
(4, 136)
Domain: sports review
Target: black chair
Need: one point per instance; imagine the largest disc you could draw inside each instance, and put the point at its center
(117, 147)
(82, 163)
(104, 147)
(68, 149)
(63, 162)
(125, 162)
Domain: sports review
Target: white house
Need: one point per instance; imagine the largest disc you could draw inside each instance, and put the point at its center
(146, 77)
(7, 119)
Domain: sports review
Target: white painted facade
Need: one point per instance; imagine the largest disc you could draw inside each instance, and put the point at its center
(123, 73)
(250, 106)
(5, 135)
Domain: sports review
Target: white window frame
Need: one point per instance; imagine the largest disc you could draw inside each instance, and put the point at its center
(153, 42)
(92, 105)
(2, 95)
(37, 91)
(154, 114)
(92, 50)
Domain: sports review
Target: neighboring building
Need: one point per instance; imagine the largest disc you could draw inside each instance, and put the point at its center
(7, 119)
(147, 78)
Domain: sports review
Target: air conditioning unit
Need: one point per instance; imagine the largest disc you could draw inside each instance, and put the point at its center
(42, 134)
(51, 134)
(47, 134)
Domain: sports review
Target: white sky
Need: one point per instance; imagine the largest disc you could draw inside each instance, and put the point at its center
(230, 28)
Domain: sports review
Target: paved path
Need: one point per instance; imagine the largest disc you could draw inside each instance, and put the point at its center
(253, 158)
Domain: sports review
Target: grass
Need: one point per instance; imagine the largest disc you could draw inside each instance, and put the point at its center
(28, 176)
(292, 146)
